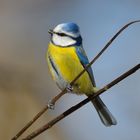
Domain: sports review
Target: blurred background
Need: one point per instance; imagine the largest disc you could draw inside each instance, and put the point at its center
(26, 84)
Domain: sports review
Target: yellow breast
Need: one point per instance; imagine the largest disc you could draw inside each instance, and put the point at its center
(69, 66)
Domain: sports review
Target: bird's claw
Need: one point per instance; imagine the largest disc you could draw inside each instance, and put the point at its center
(69, 88)
(51, 105)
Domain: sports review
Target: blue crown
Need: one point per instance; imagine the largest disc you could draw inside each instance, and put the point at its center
(70, 27)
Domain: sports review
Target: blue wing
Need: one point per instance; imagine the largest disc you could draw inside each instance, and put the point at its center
(84, 61)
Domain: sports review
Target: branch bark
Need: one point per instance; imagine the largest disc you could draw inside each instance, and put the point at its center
(53, 101)
(79, 105)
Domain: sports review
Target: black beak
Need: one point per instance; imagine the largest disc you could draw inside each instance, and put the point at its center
(50, 31)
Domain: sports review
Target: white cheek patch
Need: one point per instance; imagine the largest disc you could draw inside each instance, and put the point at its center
(62, 40)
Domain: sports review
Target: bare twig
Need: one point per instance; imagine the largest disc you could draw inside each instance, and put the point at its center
(79, 105)
(53, 101)
(37, 116)
(104, 48)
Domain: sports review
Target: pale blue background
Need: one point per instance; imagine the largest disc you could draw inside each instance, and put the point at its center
(26, 23)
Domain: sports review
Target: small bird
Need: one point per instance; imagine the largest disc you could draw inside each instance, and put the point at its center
(66, 58)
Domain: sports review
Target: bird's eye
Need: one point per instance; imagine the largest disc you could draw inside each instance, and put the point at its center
(61, 34)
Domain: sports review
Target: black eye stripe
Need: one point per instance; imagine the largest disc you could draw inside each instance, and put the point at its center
(77, 39)
(61, 34)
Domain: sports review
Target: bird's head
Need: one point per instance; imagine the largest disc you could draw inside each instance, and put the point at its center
(66, 34)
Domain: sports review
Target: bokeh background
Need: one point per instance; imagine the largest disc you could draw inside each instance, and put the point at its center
(26, 85)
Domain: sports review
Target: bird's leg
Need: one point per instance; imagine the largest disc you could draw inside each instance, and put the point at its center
(69, 88)
(51, 103)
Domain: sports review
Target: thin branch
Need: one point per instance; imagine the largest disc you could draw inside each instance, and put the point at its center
(79, 105)
(37, 116)
(53, 101)
(103, 50)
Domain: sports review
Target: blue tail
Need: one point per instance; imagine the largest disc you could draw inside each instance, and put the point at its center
(105, 115)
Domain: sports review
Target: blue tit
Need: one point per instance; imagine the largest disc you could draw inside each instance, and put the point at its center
(66, 58)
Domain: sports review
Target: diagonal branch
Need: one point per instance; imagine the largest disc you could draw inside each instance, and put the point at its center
(53, 101)
(82, 103)
(103, 50)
